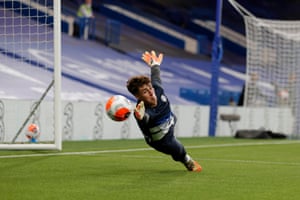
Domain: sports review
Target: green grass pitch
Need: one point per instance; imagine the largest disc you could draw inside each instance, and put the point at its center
(127, 169)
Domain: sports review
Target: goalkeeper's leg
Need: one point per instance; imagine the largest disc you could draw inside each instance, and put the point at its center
(171, 146)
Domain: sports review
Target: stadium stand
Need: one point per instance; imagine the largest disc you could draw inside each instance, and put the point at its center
(94, 70)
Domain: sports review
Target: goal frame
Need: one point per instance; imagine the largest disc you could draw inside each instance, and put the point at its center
(57, 145)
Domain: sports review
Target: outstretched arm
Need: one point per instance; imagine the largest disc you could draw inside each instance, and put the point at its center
(153, 61)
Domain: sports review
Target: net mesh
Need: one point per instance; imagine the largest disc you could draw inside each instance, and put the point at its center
(273, 72)
(26, 68)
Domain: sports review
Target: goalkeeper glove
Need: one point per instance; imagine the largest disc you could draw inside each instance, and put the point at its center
(151, 59)
(139, 111)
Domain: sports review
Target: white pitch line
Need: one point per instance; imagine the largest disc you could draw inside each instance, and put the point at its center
(75, 153)
(148, 149)
(246, 144)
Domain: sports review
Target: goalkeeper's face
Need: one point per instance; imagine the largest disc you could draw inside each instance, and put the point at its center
(146, 93)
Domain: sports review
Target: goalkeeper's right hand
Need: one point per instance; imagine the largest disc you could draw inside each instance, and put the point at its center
(139, 111)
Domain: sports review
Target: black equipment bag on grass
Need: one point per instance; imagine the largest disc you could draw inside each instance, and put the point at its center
(259, 134)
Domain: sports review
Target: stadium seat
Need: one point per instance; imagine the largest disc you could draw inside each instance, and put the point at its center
(230, 118)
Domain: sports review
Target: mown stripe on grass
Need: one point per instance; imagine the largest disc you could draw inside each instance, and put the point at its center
(222, 160)
(251, 161)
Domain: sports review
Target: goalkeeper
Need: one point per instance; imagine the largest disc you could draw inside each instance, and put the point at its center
(153, 113)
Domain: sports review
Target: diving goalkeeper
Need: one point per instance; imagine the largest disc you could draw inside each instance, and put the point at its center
(153, 113)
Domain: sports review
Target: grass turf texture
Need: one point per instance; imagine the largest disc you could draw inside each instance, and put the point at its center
(128, 169)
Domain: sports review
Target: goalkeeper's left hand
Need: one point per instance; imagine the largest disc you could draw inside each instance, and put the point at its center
(139, 111)
(151, 59)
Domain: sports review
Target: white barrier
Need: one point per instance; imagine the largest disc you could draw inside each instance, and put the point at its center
(88, 121)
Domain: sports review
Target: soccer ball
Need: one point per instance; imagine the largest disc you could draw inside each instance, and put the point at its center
(33, 132)
(284, 94)
(118, 108)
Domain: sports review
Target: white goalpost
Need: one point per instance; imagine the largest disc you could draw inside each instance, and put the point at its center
(273, 72)
(30, 64)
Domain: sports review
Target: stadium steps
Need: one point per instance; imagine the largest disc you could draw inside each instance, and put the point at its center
(93, 71)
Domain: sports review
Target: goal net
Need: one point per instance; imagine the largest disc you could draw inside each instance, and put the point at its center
(30, 74)
(273, 73)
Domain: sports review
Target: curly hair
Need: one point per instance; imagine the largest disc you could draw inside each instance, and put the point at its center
(134, 83)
